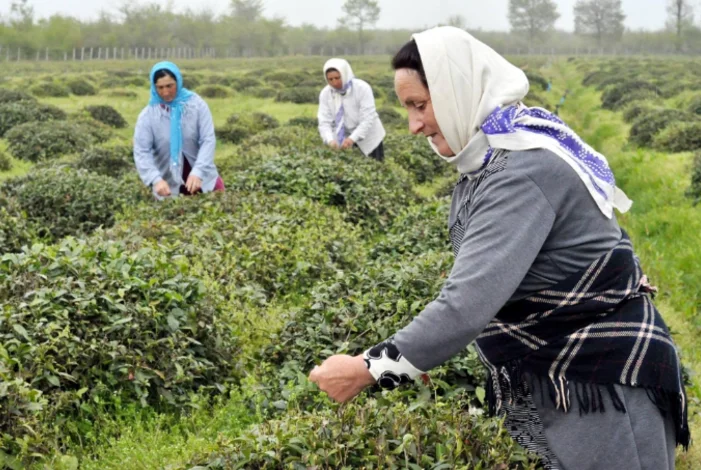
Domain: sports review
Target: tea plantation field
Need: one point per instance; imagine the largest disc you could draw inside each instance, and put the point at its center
(178, 335)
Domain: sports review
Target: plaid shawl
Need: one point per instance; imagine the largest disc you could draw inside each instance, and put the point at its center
(596, 328)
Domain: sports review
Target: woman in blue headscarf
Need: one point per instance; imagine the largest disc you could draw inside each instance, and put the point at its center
(174, 138)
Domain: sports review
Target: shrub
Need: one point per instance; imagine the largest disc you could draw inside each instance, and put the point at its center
(262, 92)
(122, 93)
(299, 95)
(304, 121)
(109, 161)
(107, 115)
(20, 112)
(269, 245)
(65, 201)
(358, 186)
(80, 87)
(49, 89)
(245, 83)
(290, 138)
(537, 80)
(113, 82)
(5, 161)
(213, 91)
(418, 229)
(633, 111)
(679, 137)
(390, 116)
(287, 79)
(616, 97)
(533, 99)
(90, 327)
(15, 229)
(191, 82)
(239, 126)
(35, 141)
(648, 125)
(695, 105)
(694, 190)
(11, 96)
(136, 81)
(415, 155)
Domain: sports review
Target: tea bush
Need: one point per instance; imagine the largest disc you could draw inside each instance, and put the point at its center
(262, 92)
(537, 80)
(299, 95)
(633, 111)
(290, 138)
(81, 87)
(12, 96)
(107, 115)
(5, 161)
(112, 161)
(419, 229)
(649, 124)
(695, 105)
(363, 189)
(245, 83)
(415, 155)
(50, 89)
(288, 79)
(617, 96)
(252, 243)
(36, 141)
(65, 201)
(679, 137)
(90, 327)
(390, 117)
(214, 91)
(122, 93)
(694, 190)
(240, 126)
(191, 82)
(20, 112)
(15, 229)
(304, 121)
(97, 131)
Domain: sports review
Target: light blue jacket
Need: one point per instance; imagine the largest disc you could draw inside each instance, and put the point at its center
(152, 145)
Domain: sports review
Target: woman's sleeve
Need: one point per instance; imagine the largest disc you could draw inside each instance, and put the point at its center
(207, 142)
(325, 117)
(368, 114)
(143, 151)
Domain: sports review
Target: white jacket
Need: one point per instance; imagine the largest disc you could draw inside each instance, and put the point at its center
(362, 123)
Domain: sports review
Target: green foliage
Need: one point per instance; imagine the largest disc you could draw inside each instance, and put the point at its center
(415, 155)
(694, 190)
(36, 141)
(240, 126)
(695, 105)
(12, 96)
(299, 95)
(112, 161)
(122, 93)
(245, 83)
(107, 115)
(258, 245)
(304, 121)
(365, 190)
(288, 79)
(634, 110)
(290, 138)
(390, 117)
(15, 229)
(5, 161)
(81, 87)
(20, 112)
(262, 92)
(419, 229)
(214, 91)
(617, 96)
(97, 131)
(649, 124)
(679, 137)
(65, 201)
(537, 80)
(88, 327)
(191, 82)
(533, 99)
(49, 89)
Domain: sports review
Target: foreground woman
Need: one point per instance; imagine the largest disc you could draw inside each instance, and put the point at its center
(581, 365)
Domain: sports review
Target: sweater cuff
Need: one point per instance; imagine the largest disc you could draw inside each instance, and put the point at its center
(388, 366)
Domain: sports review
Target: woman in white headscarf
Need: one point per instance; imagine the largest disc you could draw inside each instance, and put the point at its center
(581, 365)
(347, 115)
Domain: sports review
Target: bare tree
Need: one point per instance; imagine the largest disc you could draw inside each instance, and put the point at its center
(534, 18)
(359, 14)
(681, 18)
(602, 19)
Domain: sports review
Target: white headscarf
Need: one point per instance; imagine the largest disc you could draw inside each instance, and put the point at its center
(343, 68)
(468, 81)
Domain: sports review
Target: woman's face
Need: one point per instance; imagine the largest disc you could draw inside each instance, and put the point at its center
(167, 88)
(415, 97)
(334, 79)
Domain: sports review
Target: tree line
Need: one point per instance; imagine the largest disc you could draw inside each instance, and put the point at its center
(245, 30)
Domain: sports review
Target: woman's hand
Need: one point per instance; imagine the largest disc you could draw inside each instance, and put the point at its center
(342, 377)
(193, 184)
(162, 188)
(333, 144)
(347, 143)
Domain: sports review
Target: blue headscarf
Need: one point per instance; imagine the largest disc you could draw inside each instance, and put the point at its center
(176, 108)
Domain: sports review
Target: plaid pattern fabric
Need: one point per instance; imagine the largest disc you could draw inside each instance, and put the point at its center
(596, 328)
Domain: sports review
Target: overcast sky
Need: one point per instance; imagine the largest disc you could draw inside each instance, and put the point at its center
(411, 14)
